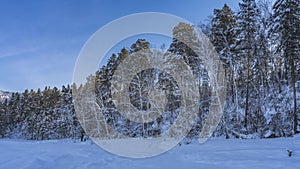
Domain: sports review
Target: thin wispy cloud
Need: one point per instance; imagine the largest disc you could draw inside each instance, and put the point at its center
(18, 52)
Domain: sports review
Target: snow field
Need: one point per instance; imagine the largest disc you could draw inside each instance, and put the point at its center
(216, 153)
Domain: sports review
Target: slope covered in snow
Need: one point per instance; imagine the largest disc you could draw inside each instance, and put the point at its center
(214, 154)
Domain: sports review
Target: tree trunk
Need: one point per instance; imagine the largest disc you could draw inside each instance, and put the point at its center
(293, 77)
(247, 91)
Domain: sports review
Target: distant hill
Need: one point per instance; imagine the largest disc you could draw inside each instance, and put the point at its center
(4, 95)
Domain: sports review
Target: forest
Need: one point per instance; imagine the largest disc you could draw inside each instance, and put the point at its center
(259, 46)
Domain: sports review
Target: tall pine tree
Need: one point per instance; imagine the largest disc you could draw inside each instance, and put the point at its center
(287, 19)
(246, 45)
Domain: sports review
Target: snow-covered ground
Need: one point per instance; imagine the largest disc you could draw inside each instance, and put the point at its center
(215, 153)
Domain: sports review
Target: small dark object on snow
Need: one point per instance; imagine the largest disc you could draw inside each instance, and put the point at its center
(290, 152)
(82, 136)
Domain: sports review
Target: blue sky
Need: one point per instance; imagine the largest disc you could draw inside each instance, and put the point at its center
(40, 40)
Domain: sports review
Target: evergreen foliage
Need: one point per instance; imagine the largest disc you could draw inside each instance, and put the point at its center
(259, 46)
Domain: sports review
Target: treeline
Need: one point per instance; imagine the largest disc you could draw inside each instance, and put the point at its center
(39, 115)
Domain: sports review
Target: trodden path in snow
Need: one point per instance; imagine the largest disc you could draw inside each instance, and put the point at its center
(216, 153)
